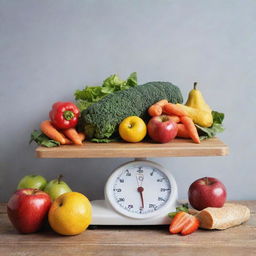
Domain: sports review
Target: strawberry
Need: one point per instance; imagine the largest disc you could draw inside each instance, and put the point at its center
(184, 223)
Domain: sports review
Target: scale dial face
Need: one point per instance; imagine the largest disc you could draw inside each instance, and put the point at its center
(140, 189)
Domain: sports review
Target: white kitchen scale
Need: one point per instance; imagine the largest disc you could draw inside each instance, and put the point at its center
(139, 192)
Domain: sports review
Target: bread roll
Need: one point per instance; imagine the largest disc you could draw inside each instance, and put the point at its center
(221, 218)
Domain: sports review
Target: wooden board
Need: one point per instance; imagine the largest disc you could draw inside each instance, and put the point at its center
(176, 148)
(130, 241)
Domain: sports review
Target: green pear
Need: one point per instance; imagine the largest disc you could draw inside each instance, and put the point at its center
(32, 181)
(57, 187)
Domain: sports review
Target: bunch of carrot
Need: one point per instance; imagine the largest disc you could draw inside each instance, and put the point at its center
(65, 136)
(186, 127)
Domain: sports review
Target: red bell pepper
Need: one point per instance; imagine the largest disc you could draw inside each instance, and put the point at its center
(64, 115)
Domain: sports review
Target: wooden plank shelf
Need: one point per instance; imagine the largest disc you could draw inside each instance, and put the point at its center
(130, 240)
(176, 148)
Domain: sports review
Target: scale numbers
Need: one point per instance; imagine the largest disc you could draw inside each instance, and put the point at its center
(141, 190)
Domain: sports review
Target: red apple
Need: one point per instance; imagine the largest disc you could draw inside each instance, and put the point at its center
(27, 209)
(207, 192)
(162, 129)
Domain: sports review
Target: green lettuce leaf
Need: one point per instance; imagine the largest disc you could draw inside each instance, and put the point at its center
(217, 117)
(92, 94)
(42, 140)
(217, 127)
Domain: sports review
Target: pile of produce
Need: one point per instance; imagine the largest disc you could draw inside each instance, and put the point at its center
(123, 110)
(207, 210)
(101, 120)
(36, 200)
(61, 128)
(70, 213)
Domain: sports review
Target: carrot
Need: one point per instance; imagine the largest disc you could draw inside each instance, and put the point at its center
(49, 130)
(67, 141)
(161, 103)
(175, 119)
(156, 108)
(73, 135)
(173, 109)
(182, 131)
(191, 128)
(82, 136)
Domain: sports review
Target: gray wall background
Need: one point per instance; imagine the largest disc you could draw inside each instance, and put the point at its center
(48, 49)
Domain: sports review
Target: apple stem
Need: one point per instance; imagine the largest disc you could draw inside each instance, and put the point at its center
(195, 85)
(164, 118)
(34, 191)
(206, 181)
(60, 177)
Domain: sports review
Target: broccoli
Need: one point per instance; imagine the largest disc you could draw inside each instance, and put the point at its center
(101, 119)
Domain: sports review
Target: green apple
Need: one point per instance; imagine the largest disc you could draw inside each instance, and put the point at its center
(57, 187)
(32, 181)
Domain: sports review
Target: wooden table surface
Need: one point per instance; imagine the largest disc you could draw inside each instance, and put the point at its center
(118, 241)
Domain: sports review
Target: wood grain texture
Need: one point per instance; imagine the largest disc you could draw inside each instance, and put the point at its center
(176, 148)
(115, 240)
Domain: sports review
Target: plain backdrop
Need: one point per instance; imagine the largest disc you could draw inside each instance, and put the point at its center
(48, 49)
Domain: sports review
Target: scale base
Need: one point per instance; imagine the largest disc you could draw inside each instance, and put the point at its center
(103, 214)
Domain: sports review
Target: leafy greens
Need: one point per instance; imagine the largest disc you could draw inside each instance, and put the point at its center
(181, 208)
(42, 140)
(92, 94)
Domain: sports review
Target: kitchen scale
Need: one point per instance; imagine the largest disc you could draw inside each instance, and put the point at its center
(139, 192)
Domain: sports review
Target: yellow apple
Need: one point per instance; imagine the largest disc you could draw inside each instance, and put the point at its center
(70, 214)
(132, 129)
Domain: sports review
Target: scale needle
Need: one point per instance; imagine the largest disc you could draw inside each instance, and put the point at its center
(140, 190)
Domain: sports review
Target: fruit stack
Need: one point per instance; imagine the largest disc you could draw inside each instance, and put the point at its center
(68, 213)
(207, 197)
(169, 120)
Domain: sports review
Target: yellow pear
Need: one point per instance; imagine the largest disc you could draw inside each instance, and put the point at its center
(196, 100)
(199, 116)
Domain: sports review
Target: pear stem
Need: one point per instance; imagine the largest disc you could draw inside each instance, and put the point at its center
(60, 177)
(195, 85)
